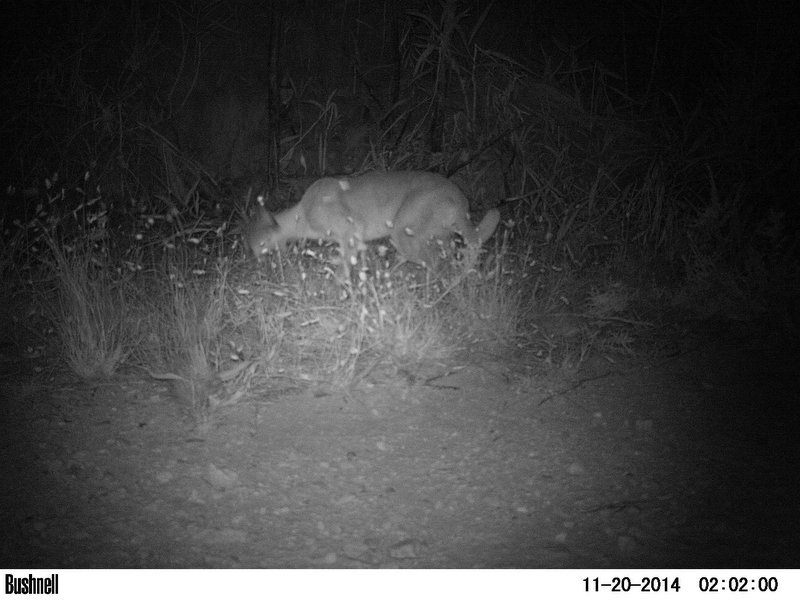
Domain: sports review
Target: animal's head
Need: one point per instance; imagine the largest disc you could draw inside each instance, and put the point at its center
(262, 234)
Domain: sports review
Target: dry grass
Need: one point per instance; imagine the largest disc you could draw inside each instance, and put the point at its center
(90, 313)
(587, 182)
(306, 327)
(215, 335)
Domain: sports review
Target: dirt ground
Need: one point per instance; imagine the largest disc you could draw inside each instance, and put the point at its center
(688, 459)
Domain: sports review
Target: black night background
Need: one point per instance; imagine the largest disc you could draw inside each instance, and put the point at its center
(597, 367)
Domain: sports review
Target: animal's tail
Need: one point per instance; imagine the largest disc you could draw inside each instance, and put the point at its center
(477, 236)
(487, 225)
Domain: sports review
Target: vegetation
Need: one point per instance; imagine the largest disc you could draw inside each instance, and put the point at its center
(622, 216)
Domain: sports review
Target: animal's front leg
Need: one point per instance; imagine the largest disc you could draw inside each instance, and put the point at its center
(351, 249)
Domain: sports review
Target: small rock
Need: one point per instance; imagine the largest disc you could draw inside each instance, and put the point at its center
(222, 479)
(494, 502)
(576, 468)
(561, 538)
(404, 549)
(54, 466)
(598, 420)
(720, 528)
(330, 558)
(346, 499)
(164, 476)
(229, 535)
(355, 549)
(626, 544)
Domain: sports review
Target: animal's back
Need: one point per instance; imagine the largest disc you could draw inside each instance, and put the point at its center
(418, 210)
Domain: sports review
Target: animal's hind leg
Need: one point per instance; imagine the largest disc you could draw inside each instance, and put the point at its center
(351, 249)
(423, 229)
(338, 222)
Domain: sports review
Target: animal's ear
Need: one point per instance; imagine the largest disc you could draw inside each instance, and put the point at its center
(265, 217)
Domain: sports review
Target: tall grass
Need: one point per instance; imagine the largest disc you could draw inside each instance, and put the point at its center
(91, 312)
(611, 218)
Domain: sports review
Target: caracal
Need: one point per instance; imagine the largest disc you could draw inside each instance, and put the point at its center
(419, 211)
